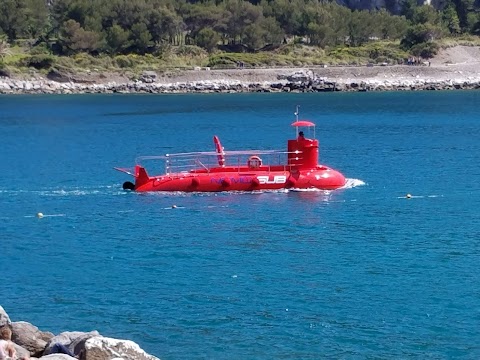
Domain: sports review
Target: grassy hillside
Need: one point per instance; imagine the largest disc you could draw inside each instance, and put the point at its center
(21, 60)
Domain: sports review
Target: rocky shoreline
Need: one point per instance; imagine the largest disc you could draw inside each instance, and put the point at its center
(465, 76)
(31, 343)
(454, 68)
(299, 81)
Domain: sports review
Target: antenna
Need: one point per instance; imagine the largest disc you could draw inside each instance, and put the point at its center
(297, 111)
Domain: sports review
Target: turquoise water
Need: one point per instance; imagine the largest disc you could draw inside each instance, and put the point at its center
(356, 273)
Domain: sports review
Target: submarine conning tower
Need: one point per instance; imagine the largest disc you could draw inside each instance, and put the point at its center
(303, 151)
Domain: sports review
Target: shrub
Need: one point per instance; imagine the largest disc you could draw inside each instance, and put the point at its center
(64, 62)
(41, 49)
(83, 59)
(422, 33)
(123, 61)
(208, 39)
(224, 59)
(40, 62)
(5, 72)
(425, 50)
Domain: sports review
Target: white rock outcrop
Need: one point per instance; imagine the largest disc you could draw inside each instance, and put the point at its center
(105, 348)
(4, 319)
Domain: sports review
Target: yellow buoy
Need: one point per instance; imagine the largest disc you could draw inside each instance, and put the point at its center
(40, 215)
(408, 196)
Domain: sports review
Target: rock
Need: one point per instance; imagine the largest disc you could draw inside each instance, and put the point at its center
(104, 348)
(73, 340)
(4, 86)
(5, 73)
(30, 337)
(148, 77)
(58, 76)
(57, 357)
(298, 76)
(302, 80)
(30, 341)
(4, 318)
(22, 353)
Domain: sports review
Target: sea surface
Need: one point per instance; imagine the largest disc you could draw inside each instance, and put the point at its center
(357, 273)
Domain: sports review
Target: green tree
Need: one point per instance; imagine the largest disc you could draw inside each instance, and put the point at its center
(37, 22)
(471, 21)
(273, 33)
(288, 14)
(254, 36)
(450, 19)
(75, 39)
(59, 13)
(127, 13)
(117, 40)
(208, 39)
(265, 31)
(77, 10)
(314, 20)
(141, 38)
(359, 28)
(464, 8)
(425, 14)
(425, 50)
(12, 18)
(476, 25)
(408, 9)
(201, 16)
(340, 17)
(164, 25)
(320, 35)
(240, 15)
(422, 33)
(388, 26)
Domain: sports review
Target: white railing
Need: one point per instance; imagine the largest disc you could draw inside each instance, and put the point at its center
(189, 162)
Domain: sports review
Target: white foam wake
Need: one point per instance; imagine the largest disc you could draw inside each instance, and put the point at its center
(351, 183)
(409, 196)
(65, 191)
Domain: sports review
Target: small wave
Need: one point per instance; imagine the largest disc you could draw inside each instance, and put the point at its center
(44, 215)
(69, 192)
(351, 183)
(213, 193)
(310, 190)
(115, 190)
(409, 196)
(73, 191)
(174, 207)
